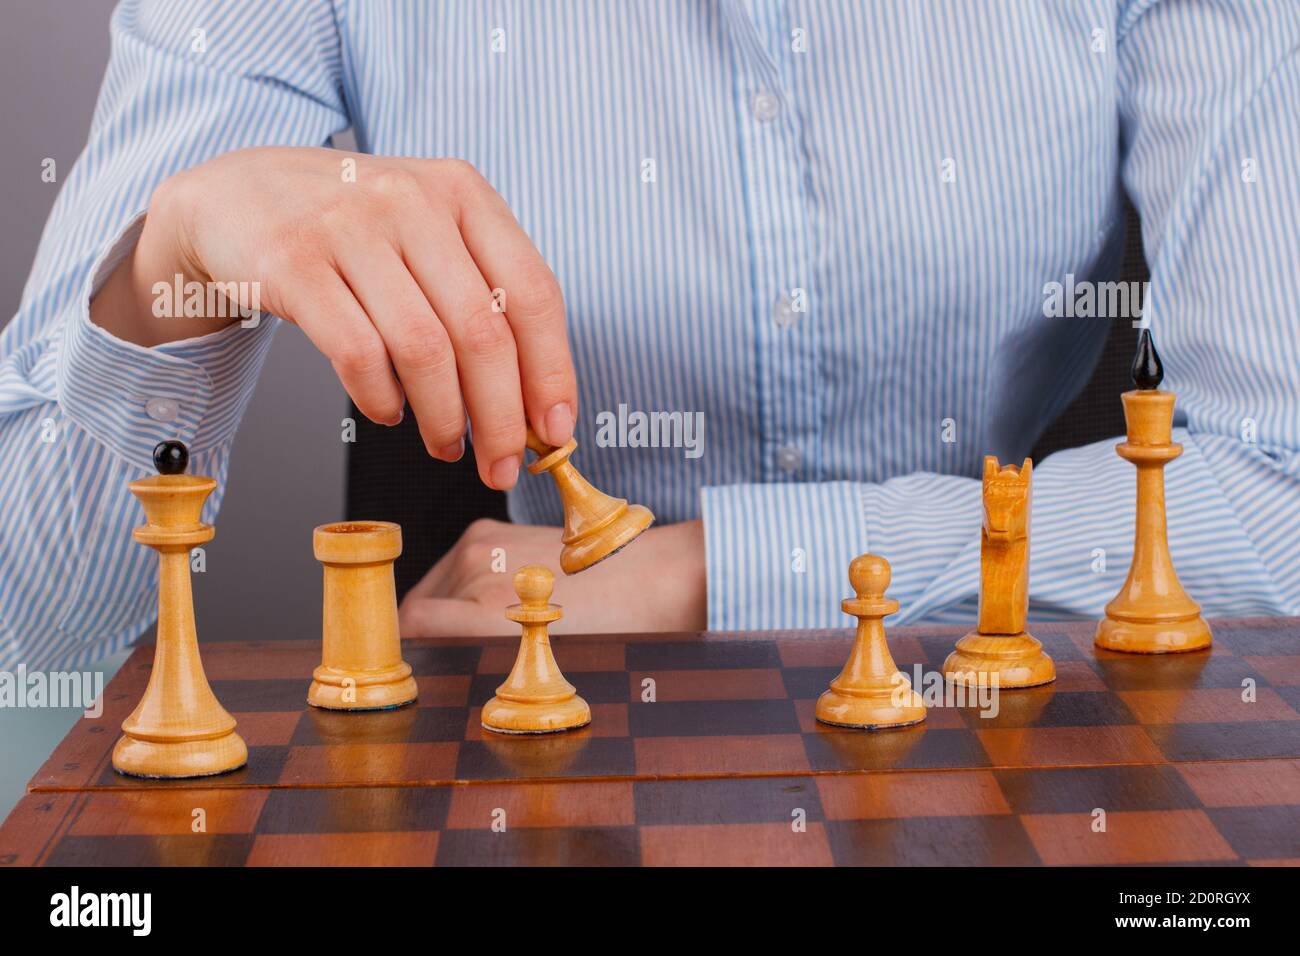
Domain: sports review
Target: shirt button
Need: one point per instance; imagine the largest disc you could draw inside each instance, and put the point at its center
(783, 313)
(765, 106)
(162, 409)
(788, 459)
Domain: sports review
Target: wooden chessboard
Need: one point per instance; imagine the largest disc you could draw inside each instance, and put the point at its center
(719, 769)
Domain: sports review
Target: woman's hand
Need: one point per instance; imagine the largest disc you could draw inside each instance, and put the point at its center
(410, 275)
(656, 583)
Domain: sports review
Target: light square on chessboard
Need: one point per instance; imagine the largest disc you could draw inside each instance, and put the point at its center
(1173, 671)
(268, 728)
(585, 804)
(1068, 746)
(885, 796)
(1206, 705)
(903, 748)
(1130, 837)
(370, 764)
(735, 844)
(168, 812)
(344, 849)
(1244, 784)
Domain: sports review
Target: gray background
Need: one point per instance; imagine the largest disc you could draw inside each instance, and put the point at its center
(287, 469)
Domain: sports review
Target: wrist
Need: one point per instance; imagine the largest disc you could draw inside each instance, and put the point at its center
(139, 301)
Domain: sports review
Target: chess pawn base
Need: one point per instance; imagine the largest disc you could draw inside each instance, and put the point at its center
(1154, 637)
(897, 705)
(523, 717)
(177, 759)
(334, 689)
(1017, 660)
(583, 553)
(361, 657)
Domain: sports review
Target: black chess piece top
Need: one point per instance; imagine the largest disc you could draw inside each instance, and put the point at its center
(171, 457)
(1147, 371)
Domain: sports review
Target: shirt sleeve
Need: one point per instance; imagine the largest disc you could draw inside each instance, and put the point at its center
(81, 410)
(1207, 101)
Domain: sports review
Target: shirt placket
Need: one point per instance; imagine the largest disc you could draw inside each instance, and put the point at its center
(773, 169)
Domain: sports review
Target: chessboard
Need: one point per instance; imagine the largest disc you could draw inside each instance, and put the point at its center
(704, 749)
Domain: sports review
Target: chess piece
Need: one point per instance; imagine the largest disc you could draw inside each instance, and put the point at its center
(1152, 614)
(179, 729)
(535, 698)
(871, 692)
(595, 525)
(361, 654)
(999, 652)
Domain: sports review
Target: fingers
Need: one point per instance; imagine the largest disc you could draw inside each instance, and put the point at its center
(486, 356)
(449, 617)
(320, 303)
(533, 304)
(417, 344)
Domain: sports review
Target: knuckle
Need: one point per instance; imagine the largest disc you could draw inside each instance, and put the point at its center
(423, 348)
(461, 176)
(486, 333)
(359, 359)
(542, 299)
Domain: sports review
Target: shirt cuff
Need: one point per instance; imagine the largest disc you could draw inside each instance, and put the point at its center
(777, 555)
(130, 397)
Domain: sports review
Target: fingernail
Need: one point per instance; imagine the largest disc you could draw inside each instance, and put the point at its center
(401, 413)
(559, 424)
(452, 452)
(505, 472)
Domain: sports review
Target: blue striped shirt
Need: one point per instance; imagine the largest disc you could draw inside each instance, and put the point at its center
(827, 228)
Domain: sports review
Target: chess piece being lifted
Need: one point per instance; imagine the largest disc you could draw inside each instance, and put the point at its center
(535, 698)
(179, 729)
(361, 652)
(595, 525)
(870, 692)
(999, 652)
(1152, 614)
